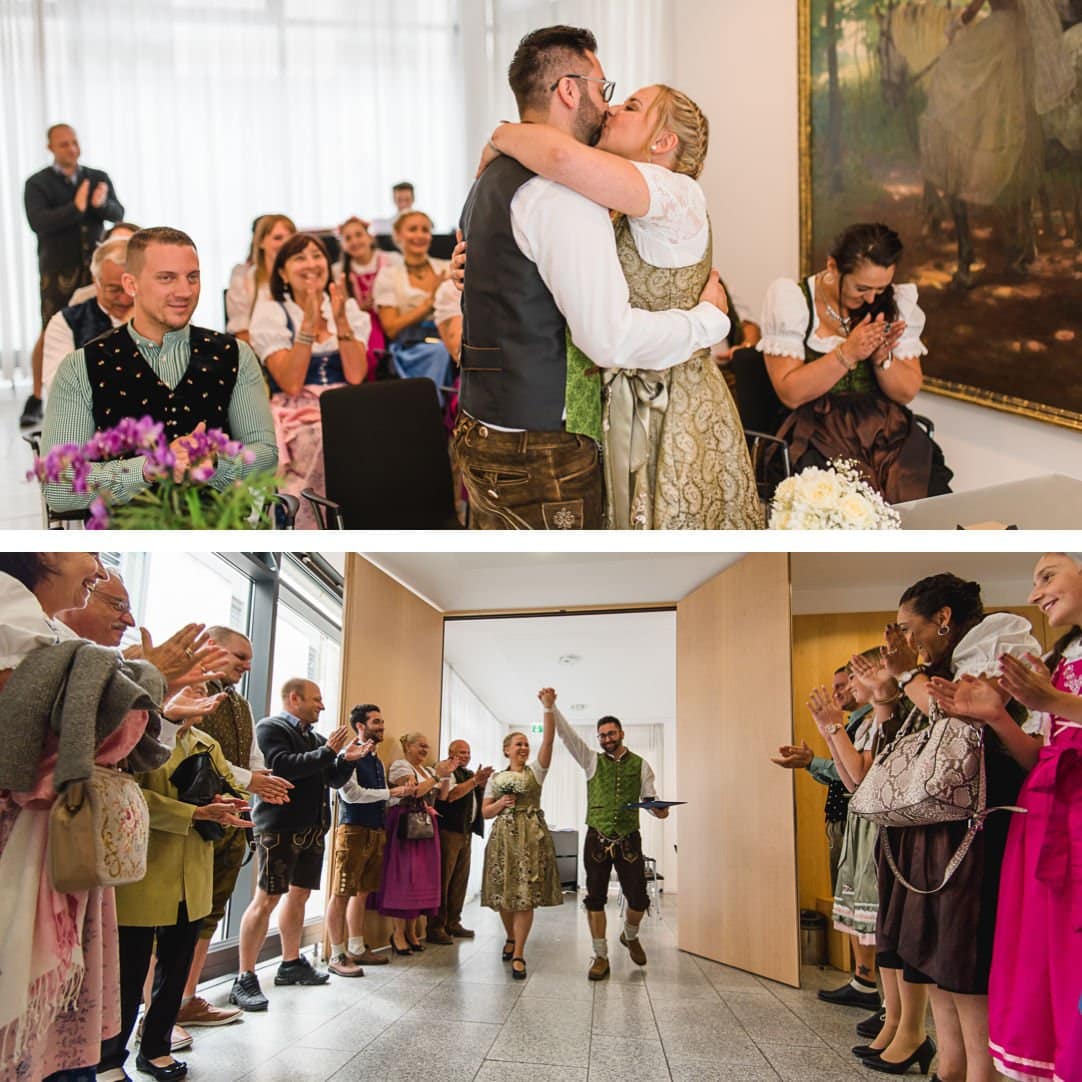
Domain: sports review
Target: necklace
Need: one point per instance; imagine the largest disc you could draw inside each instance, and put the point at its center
(417, 269)
(845, 322)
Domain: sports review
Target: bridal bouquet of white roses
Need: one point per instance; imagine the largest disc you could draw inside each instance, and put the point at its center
(838, 498)
(509, 783)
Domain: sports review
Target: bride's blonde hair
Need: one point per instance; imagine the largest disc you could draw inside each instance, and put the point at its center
(676, 112)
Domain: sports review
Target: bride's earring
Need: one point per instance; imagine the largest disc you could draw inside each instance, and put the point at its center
(944, 630)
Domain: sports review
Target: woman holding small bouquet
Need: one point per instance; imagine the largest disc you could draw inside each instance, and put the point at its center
(520, 859)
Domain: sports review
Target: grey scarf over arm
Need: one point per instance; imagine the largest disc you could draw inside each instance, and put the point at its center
(81, 692)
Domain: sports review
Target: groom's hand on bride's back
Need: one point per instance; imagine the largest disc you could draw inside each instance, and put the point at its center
(714, 292)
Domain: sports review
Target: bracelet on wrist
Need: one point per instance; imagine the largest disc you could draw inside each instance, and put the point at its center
(847, 364)
(887, 701)
(348, 336)
(305, 339)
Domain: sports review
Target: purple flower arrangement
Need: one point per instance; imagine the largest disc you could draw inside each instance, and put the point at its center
(178, 498)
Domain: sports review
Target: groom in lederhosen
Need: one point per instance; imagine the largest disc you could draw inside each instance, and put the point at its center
(615, 777)
(542, 268)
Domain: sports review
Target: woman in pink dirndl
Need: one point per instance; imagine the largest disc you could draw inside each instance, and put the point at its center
(1034, 1025)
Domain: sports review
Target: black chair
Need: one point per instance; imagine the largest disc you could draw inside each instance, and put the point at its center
(769, 462)
(50, 519)
(386, 459)
(757, 402)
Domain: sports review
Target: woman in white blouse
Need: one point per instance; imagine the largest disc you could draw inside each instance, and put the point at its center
(673, 446)
(250, 281)
(310, 338)
(405, 298)
(843, 349)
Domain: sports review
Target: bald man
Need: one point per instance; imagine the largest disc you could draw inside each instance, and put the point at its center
(289, 837)
(106, 615)
(459, 818)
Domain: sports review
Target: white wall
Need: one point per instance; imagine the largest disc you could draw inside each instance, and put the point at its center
(738, 60)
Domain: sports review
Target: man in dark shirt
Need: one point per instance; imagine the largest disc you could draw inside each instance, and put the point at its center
(289, 837)
(459, 818)
(67, 205)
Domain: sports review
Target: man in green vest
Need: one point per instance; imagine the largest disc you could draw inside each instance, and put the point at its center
(615, 777)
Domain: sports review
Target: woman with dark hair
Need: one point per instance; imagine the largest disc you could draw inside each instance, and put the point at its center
(1035, 1028)
(842, 349)
(310, 337)
(942, 934)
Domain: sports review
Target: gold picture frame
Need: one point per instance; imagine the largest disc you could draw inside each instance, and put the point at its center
(954, 366)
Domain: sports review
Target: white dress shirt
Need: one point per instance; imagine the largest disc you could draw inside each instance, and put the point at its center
(59, 342)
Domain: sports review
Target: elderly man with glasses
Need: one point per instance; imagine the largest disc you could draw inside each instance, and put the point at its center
(106, 615)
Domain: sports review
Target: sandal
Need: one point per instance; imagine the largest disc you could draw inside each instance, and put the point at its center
(508, 950)
(518, 974)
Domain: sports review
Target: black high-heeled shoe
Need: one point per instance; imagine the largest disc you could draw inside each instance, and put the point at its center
(865, 1051)
(415, 948)
(508, 950)
(518, 974)
(922, 1057)
(398, 950)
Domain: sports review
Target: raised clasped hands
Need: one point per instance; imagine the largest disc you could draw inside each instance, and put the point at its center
(548, 698)
(872, 674)
(978, 700)
(1028, 681)
(357, 750)
(824, 711)
(866, 337)
(270, 787)
(792, 757)
(898, 656)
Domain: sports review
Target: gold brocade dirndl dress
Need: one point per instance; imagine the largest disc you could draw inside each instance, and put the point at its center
(520, 859)
(674, 449)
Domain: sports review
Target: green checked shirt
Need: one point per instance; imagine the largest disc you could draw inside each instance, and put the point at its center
(69, 418)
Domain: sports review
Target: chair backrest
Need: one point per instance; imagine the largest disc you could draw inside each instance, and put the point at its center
(50, 519)
(757, 402)
(769, 461)
(386, 457)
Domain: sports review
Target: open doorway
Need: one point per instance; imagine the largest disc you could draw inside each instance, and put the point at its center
(621, 664)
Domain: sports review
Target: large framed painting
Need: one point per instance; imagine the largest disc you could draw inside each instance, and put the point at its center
(960, 126)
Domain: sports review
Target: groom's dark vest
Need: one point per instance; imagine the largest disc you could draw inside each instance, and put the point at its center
(514, 346)
(122, 384)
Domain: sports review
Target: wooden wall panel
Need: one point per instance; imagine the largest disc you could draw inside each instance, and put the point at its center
(392, 654)
(821, 643)
(738, 901)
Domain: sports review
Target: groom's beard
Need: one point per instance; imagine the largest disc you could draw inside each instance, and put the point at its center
(589, 122)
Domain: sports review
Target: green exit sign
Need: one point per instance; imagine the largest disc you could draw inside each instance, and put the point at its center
(537, 728)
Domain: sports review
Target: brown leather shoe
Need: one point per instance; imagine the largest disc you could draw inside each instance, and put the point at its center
(198, 1012)
(341, 966)
(461, 933)
(634, 948)
(599, 969)
(438, 935)
(368, 958)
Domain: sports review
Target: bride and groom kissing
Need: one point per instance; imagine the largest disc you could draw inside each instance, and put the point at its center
(589, 396)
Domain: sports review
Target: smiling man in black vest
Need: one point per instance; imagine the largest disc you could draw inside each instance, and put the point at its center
(159, 365)
(543, 265)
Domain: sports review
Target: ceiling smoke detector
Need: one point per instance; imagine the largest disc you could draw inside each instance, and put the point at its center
(570, 659)
(578, 708)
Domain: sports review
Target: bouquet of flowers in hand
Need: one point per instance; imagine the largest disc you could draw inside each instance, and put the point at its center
(181, 496)
(509, 783)
(837, 498)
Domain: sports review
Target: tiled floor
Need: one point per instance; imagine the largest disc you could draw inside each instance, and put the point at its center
(20, 506)
(454, 1014)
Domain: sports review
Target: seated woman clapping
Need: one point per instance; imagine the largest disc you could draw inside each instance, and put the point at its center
(310, 338)
(405, 297)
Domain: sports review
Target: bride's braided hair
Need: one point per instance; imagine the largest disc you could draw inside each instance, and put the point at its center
(676, 112)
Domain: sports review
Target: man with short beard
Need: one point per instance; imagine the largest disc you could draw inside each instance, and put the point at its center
(358, 847)
(543, 266)
(159, 365)
(106, 615)
(232, 724)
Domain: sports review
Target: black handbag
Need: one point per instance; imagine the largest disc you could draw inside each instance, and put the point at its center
(197, 782)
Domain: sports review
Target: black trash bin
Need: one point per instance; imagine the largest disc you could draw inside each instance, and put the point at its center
(813, 938)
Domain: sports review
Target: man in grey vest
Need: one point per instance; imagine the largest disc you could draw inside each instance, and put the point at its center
(615, 777)
(542, 268)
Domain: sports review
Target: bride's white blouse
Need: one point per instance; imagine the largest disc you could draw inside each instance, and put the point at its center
(675, 231)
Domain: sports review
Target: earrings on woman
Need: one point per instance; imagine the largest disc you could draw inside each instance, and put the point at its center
(944, 630)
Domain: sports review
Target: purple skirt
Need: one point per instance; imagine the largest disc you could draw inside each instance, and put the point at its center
(411, 874)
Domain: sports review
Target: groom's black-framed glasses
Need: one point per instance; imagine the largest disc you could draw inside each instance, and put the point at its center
(607, 85)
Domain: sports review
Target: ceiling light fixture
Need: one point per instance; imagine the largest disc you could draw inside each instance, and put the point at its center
(570, 659)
